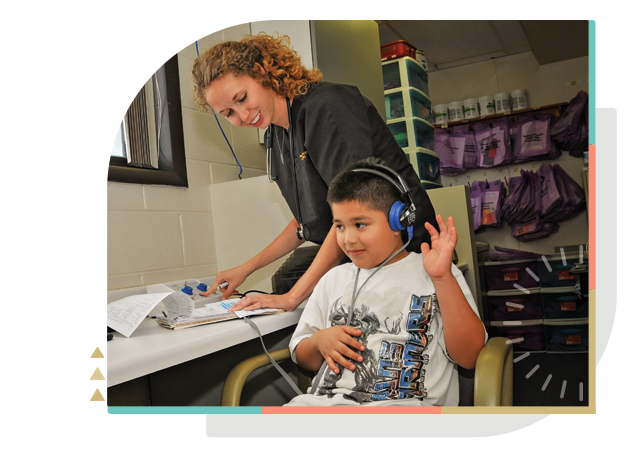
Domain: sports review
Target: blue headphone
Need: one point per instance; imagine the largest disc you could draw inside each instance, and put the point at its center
(402, 214)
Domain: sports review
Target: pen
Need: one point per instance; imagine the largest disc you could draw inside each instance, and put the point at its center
(221, 286)
(216, 291)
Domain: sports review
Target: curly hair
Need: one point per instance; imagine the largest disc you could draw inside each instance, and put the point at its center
(284, 72)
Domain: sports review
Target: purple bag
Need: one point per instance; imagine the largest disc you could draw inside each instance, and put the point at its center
(493, 143)
(533, 226)
(512, 202)
(531, 136)
(470, 148)
(573, 197)
(568, 122)
(550, 193)
(543, 232)
(492, 200)
(570, 131)
(476, 198)
(523, 203)
(450, 147)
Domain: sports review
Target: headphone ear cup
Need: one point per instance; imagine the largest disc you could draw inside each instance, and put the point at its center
(395, 212)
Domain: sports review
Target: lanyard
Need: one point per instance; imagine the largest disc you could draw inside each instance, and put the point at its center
(302, 230)
(355, 294)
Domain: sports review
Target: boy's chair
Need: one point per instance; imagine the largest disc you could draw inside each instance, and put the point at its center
(491, 384)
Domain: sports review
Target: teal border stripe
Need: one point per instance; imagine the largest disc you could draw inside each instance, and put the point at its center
(591, 82)
(184, 409)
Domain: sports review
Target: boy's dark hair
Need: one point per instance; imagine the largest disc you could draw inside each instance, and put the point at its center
(371, 190)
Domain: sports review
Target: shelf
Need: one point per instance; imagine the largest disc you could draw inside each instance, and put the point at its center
(555, 109)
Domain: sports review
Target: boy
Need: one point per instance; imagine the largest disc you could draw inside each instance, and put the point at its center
(413, 319)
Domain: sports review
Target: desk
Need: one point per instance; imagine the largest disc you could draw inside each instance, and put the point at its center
(152, 348)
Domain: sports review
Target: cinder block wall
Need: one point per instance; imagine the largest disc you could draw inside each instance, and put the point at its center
(158, 233)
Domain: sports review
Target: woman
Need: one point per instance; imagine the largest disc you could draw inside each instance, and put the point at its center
(314, 130)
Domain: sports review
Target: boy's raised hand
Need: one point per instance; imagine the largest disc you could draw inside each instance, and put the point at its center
(336, 345)
(438, 258)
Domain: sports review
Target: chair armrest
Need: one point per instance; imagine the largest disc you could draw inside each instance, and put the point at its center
(494, 373)
(233, 386)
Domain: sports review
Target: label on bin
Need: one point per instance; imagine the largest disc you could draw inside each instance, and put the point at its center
(574, 339)
(510, 276)
(516, 338)
(567, 306)
(565, 275)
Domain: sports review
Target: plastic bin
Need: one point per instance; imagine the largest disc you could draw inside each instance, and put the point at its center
(405, 72)
(527, 337)
(426, 163)
(412, 133)
(569, 337)
(397, 49)
(554, 270)
(502, 275)
(407, 103)
(515, 305)
(563, 303)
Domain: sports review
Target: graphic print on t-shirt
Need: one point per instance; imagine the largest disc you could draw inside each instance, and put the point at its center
(397, 371)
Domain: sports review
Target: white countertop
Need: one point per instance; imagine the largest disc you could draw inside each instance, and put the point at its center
(152, 348)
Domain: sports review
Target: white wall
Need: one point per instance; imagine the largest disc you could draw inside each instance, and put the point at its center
(545, 85)
(162, 233)
(548, 84)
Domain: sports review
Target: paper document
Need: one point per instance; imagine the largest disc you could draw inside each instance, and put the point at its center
(210, 313)
(126, 314)
(227, 304)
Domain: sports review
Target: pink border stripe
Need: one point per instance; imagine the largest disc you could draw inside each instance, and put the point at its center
(351, 410)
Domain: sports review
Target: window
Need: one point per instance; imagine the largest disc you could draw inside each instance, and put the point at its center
(154, 122)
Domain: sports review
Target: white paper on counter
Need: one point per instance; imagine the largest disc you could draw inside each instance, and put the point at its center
(126, 314)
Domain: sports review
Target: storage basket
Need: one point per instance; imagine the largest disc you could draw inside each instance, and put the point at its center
(397, 49)
(413, 133)
(407, 103)
(554, 270)
(515, 305)
(564, 303)
(426, 163)
(529, 336)
(405, 72)
(569, 337)
(511, 274)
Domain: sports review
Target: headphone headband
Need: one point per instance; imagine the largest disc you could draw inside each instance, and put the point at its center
(402, 214)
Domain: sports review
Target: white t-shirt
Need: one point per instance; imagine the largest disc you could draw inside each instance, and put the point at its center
(405, 357)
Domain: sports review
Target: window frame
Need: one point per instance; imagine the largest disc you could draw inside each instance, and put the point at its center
(172, 156)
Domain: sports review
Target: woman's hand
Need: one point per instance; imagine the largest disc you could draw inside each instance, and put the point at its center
(257, 301)
(438, 259)
(234, 278)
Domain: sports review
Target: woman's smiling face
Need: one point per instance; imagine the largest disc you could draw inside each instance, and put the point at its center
(245, 102)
